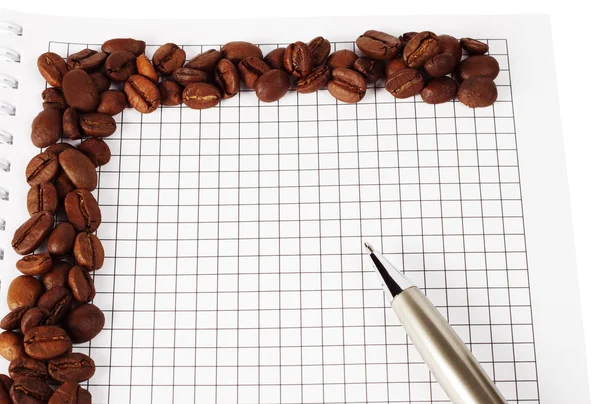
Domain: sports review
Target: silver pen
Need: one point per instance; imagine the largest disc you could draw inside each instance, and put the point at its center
(452, 364)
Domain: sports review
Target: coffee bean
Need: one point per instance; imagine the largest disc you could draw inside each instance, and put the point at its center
(96, 150)
(146, 68)
(82, 210)
(473, 46)
(420, 49)
(31, 234)
(63, 185)
(12, 320)
(440, 65)
(101, 82)
(42, 197)
(80, 91)
(52, 68)
(201, 96)
(206, 61)
(58, 148)
(450, 45)
(84, 322)
(394, 66)
(28, 367)
(70, 124)
(315, 81)
(41, 168)
(440, 90)
(478, 65)
(119, 66)
(477, 92)
(238, 50)
(71, 393)
(11, 345)
(112, 102)
(319, 48)
(168, 57)
(275, 58)
(88, 251)
(46, 342)
(97, 124)
(23, 291)
(170, 92)
(34, 317)
(58, 302)
(347, 85)
(185, 76)
(58, 274)
(227, 78)
(53, 99)
(79, 169)
(142, 94)
(250, 69)
(297, 59)
(406, 83)
(124, 44)
(272, 85)
(341, 59)
(35, 264)
(373, 70)
(72, 366)
(407, 36)
(46, 128)
(5, 385)
(86, 59)
(30, 391)
(81, 284)
(60, 241)
(378, 45)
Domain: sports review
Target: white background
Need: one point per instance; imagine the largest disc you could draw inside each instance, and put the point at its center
(577, 60)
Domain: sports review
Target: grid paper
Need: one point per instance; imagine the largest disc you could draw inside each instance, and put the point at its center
(234, 268)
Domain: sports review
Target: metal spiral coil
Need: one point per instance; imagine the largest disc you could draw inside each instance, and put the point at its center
(4, 165)
(5, 137)
(8, 82)
(10, 55)
(7, 109)
(11, 28)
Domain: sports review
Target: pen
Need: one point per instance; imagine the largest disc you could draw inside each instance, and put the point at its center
(452, 364)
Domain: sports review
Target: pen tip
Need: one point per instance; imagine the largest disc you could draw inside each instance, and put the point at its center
(369, 247)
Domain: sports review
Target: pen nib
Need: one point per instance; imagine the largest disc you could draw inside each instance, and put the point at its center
(369, 247)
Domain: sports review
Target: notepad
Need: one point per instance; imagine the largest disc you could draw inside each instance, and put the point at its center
(234, 268)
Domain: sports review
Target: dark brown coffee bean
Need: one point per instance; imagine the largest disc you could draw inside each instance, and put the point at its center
(96, 150)
(52, 68)
(394, 66)
(478, 65)
(185, 76)
(58, 302)
(70, 124)
(378, 45)
(79, 169)
(97, 125)
(440, 90)
(31, 234)
(30, 391)
(238, 50)
(168, 57)
(112, 102)
(41, 168)
(101, 82)
(42, 197)
(63, 185)
(34, 317)
(72, 366)
(420, 49)
(142, 94)
(81, 284)
(373, 70)
(347, 85)
(440, 65)
(297, 59)
(275, 58)
(84, 322)
(206, 61)
(82, 210)
(5, 384)
(11, 345)
(250, 69)
(473, 46)
(227, 78)
(53, 99)
(124, 44)
(80, 91)
(71, 393)
(146, 68)
(341, 59)
(406, 83)
(12, 321)
(35, 264)
(57, 275)
(88, 251)
(60, 241)
(450, 45)
(272, 85)
(28, 367)
(119, 66)
(23, 291)
(86, 59)
(478, 92)
(46, 342)
(170, 93)
(46, 128)
(201, 96)
(407, 36)
(315, 81)
(58, 148)
(319, 48)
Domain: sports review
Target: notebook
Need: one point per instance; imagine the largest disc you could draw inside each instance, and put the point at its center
(234, 268)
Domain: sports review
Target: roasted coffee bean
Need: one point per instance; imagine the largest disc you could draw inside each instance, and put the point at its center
(275, 58)
(35, 264)
(124, 44)
(347, 85)
(170, 92)
(272, 85)
(82, 210)
(5, 384)
(101, 82)
(168, 57)
(52, 68)
(31, 234)
(58, 148)
(23, 291)
(79, 169)
(477, 92)
(72, 366)
(406, 83)
(440, 65)
(142, 94)
(11, 345)
(227, 78)
(473, 46)
(63, 185)
(84, 322)
(42, 197)
(250, 69)
(81, 284)
(319, 48)
(46, 342)
(53, 99)
(12, 321)
(112, 102)
(86, 59)
(60, 241)
(71, 393)
(420, 49)
(297, 59)
(378, 45)
(201, 96)
(46, 128)
(478, 65)
(146, 68)
(88, 251)
(97, 125)
(341, 59)
(437, 91)
(450, 45)
(394, 66)
(57, 275)
(80, 91)
(96, 150)
(407, 36)
(238, 50)
(41, 168)
(315, 81)
(119, 66)
(58, 302)
(70, 124)
(373, 70)
(185, 76)
(28, 367)
(34, 317)
(206, 61)
(30, 391)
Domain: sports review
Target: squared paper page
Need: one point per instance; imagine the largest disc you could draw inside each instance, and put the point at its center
(234, 267)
